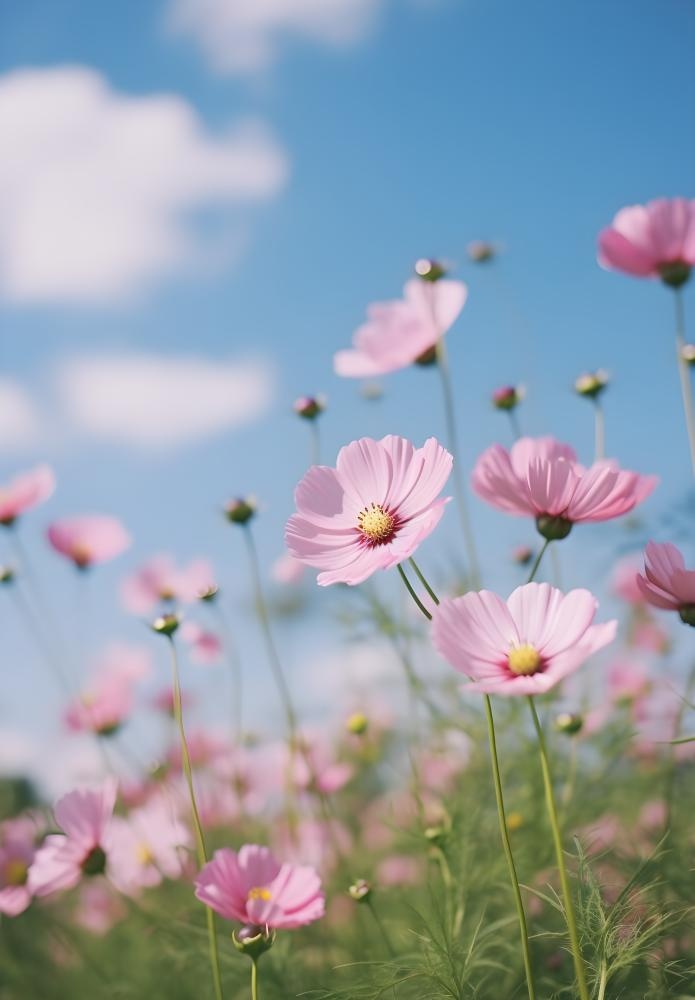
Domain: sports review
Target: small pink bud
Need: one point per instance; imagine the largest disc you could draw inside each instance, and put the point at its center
(508, 397)
(480, 251)
(309, 407)
(592, 384)
(240, 510)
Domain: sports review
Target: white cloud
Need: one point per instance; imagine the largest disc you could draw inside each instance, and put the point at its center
(97, 188)
(243, 36)
(160, 402)
(20, 421)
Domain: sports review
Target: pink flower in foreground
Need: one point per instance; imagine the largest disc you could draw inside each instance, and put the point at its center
(524, 645)
(666, 582)
(541, 478)
(370, 512)
(17, 850)
(656, 240)
(85, 817)
(401, 332)
(254, 888)
(160, 580)
(24, 492)
(146, 847)
(89, 539)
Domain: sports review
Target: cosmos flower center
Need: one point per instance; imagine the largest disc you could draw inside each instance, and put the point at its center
(16, 872)
(524, 660)
(81, 555)
(258, 892)
(144, 854)
(376, 524)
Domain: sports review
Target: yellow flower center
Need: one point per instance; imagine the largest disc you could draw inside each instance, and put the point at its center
(16, 872)
(258, 893)
(524, 660)
(144, 854)
(376, 523)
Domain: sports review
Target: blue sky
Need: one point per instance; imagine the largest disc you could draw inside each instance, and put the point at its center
(416, 128)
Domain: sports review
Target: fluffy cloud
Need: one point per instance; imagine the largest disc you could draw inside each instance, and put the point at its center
(160, 402)
(243, 36)
(20, 421)
(97, 189)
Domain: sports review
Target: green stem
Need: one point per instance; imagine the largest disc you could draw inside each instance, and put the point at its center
(557, 839)
(504, 833)
(412, 593)
(599, 431)
(315, 442)
(254, 979)
(516, 426)
(539, 559)
(603, 982)
(380, 925)
(459, 489)
(234, 663)
(684, 372)
(423, 581)
(201, 850)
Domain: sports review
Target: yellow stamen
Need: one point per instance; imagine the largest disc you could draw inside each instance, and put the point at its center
(524, 660)
(258, 893)
(16, 872)
(144, 854)
(376, 523)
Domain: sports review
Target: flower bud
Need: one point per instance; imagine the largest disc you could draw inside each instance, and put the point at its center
(252, 941)
(675, 273)
(360, 890)
(508, 397)
(569, 723)
(166, 624)
(357, 724)
(687, 614)
(522, 555)
(436, 835)
(429, 270)
(427, 358)
(554, 529)
(240, 510)
(7, 574)
(688, 353)
(209, 594)
(591, 384)
(480, 251)
(309, 407)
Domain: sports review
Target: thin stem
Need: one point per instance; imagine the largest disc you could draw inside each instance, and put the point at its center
(504, 833)
(538, 561)
(201, 851)
(254, 979)
(684, 372)
(232, 658)
(516, 426)
(382, 930)
(557, 839)
(412, 593)
(603, 982)
(35, 630)
(459, 489)
(423, 581)
(315, 442)
(599, 431)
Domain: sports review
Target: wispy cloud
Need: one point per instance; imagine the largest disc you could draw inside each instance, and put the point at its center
(97, 188)
(20, 420)
(245, 36)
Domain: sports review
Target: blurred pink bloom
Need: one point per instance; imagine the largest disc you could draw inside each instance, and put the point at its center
(160, 579)
(98, 908)
(666, 582)
(88, 539)
(624, 580)
(524, 645)
(253, 888)
(627, 679)
(317, 767)
(319, 843)
(17, 850)
(648, 240)
(603, 834)
(287, 570)
(203, 747)
(541, 478)
(85, 817)
(25, 491)
(205, 646)
(399, 870)
(650, 637)
(146, 847)
(163, 700)
(370, 512)
(399, 332)
(108, 700)
(653, 815)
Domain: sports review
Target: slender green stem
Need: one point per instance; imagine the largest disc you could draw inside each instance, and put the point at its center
(684, 372)
(559, 853)
(599, 431)
(315, 442)
(459, 489)
(603, 982)
(504, 833)
(412, 593)
(539, 559)
(201, 850)
(232, 657)
(382, 930)
(423, 581)
(254, 979)
(516, 426)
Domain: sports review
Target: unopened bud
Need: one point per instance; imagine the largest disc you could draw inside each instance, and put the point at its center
(554, 529)
(357, 724)
(7, 574)
(480, 251)
(688, 353)
(675, 273)
(209, 594)
(253, 941)
(309, 407)
(687, 613)
(508, 397)
(428, 357)
(360, 890)
(569, 723)
(240, 510)
(522, 555)
(429, 270)
(165, 624)
(436, 835)
(591, 384)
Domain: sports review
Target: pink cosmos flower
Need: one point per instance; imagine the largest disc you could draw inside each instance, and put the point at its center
(370, 512)
(400, 332)
(205, 646)
(160, 580)
(628, 679)
(624, 580)
(17, 850)
(99, 908)
(524, 645)
(85, 817)
(666, 582)
(24, 492)
(146, 847)
(287, 570)
(88, 539)
(541, 478)
(400, 870)
(318, 843)
(656, 240)
(108, 700)
(317, 766)
(254, 888)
